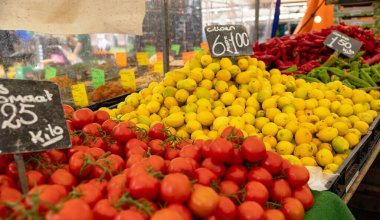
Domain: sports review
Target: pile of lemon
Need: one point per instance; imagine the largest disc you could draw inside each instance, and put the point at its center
(308, 123)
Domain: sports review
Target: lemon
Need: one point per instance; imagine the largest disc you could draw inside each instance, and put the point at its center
(335, 105)
(163, 112)
(170, 102)
(284, 147)
(190, 116)
(269, 103)
(303, 150)
(250, 109)
(331, 167)
(212, 135)
(299, 104)
(269, 129)
(237, 122)
(205, 118)
(214, 94)
(293, 160)
(373, 113)
(321, 112)
(223, 75)
(311, 103)
(182, 134)
(254, 85)
(270, 140)
(206, 83)
(243, 64)
(284, 135)
(235, 110)
(220, 122)
(233, 90)
(153, 106)
(342, 127)
(327, 134)
(289, 109)
(308, 161)
(361, 126)
(324, 103)
(267, 146)
(359, 97)
(243, 77)
(206, 60)
(340, 144)
(353, 118)
(193, 125)
(263, 95)
(197, 134)
(249, 118)
(243, 93)
(208, 74)
(181, 95)
(366, 117)
(325, 146)
(375, 105)
(324, 157)
(301, 93)
(191, 107)
(221, 86)
(214, 67)
(155, 118)
(338, 159)
(315, 93)
(234, 70)
(271, 113)
(202, 92)
(225, 63)
(292, 126)
(227, 98)
(281, 119)
(303, 135)
(175, 120)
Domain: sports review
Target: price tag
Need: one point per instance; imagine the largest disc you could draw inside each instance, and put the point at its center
(121, 59)
(151, 50)
(176, 48)
(25, 126)
(159, 67)
(160, 56)
(343, 44)
(204, 46)
(228, 40)
(128, 80)
(50, 72)
(196, 49)
(188, 56)
(79, 95)
(97, 77)
(142, 59)
(19, 73)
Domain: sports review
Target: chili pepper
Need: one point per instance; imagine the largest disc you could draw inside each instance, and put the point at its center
(334, 78)
(355, 73)
(365, 76)
(330, 61)
(372, 60)
(290, 69)
(374, 71)
(309, 79)
(355, 66)
(336, 71)
(359, 54)
(348, 84)
(323, 76)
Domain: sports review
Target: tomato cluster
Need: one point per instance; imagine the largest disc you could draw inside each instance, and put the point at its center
(116, 171)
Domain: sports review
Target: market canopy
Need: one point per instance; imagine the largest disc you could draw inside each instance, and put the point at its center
(73, 16)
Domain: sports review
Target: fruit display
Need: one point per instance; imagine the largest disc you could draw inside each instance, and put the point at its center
(306, 51)
(313, 124)
(115, 170)
(107, 91)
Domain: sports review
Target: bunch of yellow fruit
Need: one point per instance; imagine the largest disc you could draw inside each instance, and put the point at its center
(308, 123)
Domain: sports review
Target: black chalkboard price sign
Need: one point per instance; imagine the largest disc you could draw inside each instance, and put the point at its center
(228, 40)
(343, 44)
(31, 117)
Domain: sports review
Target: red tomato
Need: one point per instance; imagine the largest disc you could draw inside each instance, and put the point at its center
(72, 209)
(185, 142)
(191, 151)
(96, 152)
(226, 209)
(76, 139)
(11, 170)
(221, 150)
(250, 210)
(166, 214)
(116, 186)
(203, 201)
(218, 168)
(297, 175)
(8, 194)
(135, 150)
(232, 134)
(75, 149)
(6, 181)
(175, 188)
(256, 191)
(182, 165)
(236, 173)
(144, 186)
(280, 190)
(253, 149)
(228, 187)
(157, 147)
(108, 125)
(292, 209)
(70, 125)
(67, 111)
(64, 178)
(93, 129)
(274, 214)
(108, 166)
(285, 165)
(304, 195)
(101, 185)
(82, 117)
(261, 175)
(236, 157)
(104, 210)
(47, 195)
(182, 210)
(272, 162)
(171, 153)
(129, 215)
(116, 148)
(133, 159)
(4, 161)
(204, 176)
(157, 131)
(34, 178)
(89, 193)
(124, 131)
(135, 142)
(157, 163)
(99, 143)
(57, 156)
(205, 149)
(77, 161)
(101, 116)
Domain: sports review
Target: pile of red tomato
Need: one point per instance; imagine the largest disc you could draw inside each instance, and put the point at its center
(116, 171)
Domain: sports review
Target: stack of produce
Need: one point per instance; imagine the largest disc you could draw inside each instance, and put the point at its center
(308, 123)
(117, 171)
(306, 51)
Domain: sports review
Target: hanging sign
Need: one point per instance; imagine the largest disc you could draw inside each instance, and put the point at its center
(228, 40)
(343, 44)
(31, 118)
(97, 77)
(79, 95)
(142, 58)
(121, 59)
(127, 78)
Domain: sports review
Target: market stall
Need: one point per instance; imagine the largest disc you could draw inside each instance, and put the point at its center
(282, 128)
